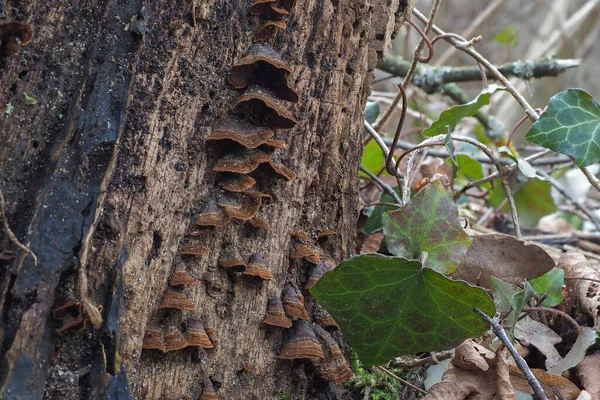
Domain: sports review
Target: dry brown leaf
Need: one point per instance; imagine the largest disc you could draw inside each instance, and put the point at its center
(587, 372)
(475, 384)
(555, 386)
(530, 332)
(504, 257)
(471, 356)
(584, 292)
(371, 243)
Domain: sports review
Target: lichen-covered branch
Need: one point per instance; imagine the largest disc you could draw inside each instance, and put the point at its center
(432, 79)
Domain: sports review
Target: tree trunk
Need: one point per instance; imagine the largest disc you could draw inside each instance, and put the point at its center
(106, 174)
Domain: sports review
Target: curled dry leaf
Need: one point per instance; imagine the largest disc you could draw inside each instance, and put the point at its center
(475, 384)
(587, 372)
(530, 332)
(555, 386)
(471, 356)
(370, 243)
(504, 257)
(585, 292)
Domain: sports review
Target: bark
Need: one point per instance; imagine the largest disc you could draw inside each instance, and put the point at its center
(112, 162)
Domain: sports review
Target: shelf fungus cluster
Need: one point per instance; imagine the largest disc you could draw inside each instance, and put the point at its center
(272, 13)
(13, 36)
(312, 342)
(199, 331)
(196, 334)
(255, 266)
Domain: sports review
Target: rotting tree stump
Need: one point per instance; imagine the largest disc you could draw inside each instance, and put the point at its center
(127, 93)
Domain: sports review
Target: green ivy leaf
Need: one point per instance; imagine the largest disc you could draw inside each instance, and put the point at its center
(550, 283)
(372, 111)
(453, 115)
(469, 170)
(374, 221)
(532, 198)
(429, 223)
(570, 125)
(510, 299)
(525, 168)
(390, 306)
(372, 158)
(507, 35)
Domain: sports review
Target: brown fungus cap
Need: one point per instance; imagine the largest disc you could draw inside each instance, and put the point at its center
(175, 299)
(275, 314)
(324, 319)
(282, 170)
(153, 339)
(325, 232)
(319, 270)
(208, 392)
(233, 262)
(257, 267)
(14, 35)
(242, 132)
(180, 277)
(242, 162)
(174, 340)
(259, 223)
(259, 7)
(302, 344)
(196, 335)
(263, 106)
(268, 31)
(263, 66)
(238, 183)
(194, 249)
(293, 306)
(333, 367)
(276, 143)
(249, 207)
(213, 216)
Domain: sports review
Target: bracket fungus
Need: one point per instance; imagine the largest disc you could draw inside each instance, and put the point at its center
(268, 31)
(263, 105)
(196, 335)
(14, 35)
(307, 251)
(71, 315)
(275, 314)
(293, 306)
(256, 267)
(259, 223)
(263, 66)
(325, 232)
(324, 319)
(326, 265)
(242, 162)
(180, 277)
(234, 263)
(282, 170)
(333, 367)
(213, 216)
(248, 209)
(242, 132)
(208, 392)
(177, 300)
(302, 344)
(238, 183)
(194, 249)
(258, 6)
(174, 340)
(276, 143)
(153, 339)
(210, 330)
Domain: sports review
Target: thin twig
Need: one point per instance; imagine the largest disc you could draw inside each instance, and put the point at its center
(387, 188)
(407, 383)
(590, 177)
(501, 333)
(413, 65)
(490, 67)
(554, 311)
(390, 166)
(417, 362)
(583, 278)
(575, 202)
(10, 233)
(477, 22)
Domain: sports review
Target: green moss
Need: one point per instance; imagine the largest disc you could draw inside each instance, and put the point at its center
(375, 384)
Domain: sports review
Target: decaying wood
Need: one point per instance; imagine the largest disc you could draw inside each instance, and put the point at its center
(144, 84)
